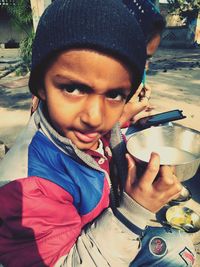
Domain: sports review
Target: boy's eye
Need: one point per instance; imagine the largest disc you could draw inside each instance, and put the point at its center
(116, 95)
(73, 89)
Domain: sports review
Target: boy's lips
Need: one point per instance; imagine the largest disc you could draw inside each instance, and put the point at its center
(86, 137)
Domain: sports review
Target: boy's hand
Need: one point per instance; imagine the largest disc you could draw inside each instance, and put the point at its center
(138, 103)
(144, 91)
(156, 187)
(150, 110)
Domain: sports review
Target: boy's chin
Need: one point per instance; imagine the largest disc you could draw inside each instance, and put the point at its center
(87, 146)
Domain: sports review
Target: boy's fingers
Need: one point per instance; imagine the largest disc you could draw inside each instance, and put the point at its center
(168, 180)
(148, 90)
(138, 91)
(166, 173)
(131, 170)
(150, 108)
(152, 169)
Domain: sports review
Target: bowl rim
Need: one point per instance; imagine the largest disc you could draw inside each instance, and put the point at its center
(176, 125)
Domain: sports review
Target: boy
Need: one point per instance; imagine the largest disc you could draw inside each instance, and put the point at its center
(152, 24)
(88, 58)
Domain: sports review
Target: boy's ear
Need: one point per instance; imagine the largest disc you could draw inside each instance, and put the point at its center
(42, 93)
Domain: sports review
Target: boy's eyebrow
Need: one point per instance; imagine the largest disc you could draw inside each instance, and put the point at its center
(64, 79)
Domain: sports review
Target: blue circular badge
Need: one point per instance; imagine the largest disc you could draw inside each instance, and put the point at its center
(158, 246)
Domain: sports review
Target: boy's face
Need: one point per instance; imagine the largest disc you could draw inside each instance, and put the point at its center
(152, 46)
(85, 92)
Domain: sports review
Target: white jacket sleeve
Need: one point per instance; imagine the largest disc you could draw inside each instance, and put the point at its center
(108, 241)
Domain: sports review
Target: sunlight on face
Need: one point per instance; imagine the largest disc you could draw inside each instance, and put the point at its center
(85, 92)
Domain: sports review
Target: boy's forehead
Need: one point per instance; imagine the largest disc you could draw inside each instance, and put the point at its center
(80, 56)
(90, 67)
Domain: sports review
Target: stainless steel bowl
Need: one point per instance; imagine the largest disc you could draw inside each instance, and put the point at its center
(177, 145)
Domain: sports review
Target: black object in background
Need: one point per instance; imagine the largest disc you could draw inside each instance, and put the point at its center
(160, 118)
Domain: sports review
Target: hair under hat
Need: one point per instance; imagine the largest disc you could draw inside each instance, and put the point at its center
(103, 25)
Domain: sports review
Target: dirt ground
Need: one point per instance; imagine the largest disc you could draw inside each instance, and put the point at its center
(174, 78)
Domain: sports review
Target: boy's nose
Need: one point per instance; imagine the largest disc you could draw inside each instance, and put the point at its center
(93, 111)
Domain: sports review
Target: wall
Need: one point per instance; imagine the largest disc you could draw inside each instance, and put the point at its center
(176, 37)
(197, 33)
(7, 29)
(177, 34)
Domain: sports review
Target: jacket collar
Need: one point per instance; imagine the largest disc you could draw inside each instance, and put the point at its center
(65, 144)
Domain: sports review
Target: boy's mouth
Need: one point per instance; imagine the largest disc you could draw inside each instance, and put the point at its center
(86, 137)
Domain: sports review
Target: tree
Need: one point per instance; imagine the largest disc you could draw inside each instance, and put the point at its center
(21, 15)
(38, 7)
(186, 9)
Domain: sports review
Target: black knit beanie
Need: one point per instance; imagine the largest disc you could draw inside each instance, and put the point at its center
(103, 25)
(148, 16)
